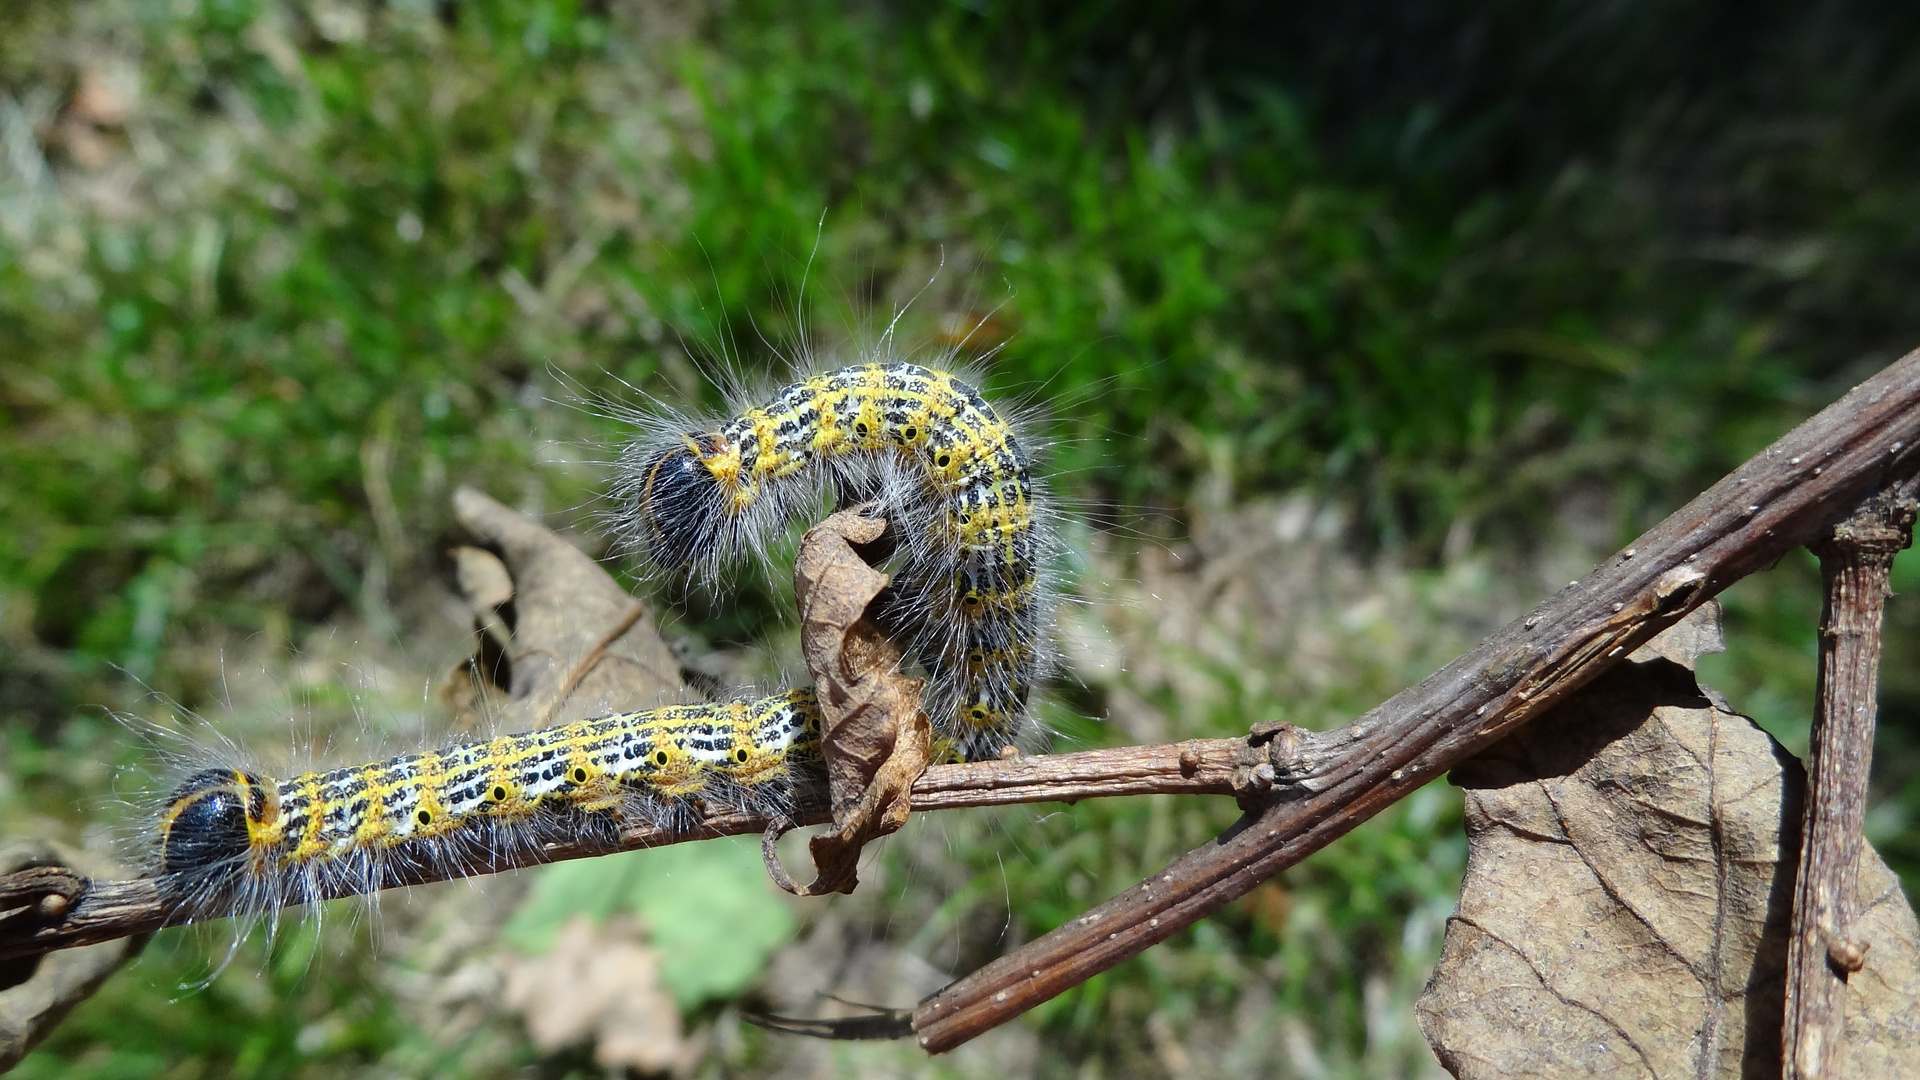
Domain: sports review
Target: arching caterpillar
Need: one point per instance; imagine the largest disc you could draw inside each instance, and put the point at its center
(970, 595)
(971, 591)
(230, 840)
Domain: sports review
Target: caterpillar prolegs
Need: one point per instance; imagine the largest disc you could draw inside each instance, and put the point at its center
(970, 593)
(231, 840)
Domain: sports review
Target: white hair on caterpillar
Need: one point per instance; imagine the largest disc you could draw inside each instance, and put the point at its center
(972, 542)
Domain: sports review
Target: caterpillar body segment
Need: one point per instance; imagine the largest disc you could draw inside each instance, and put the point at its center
(231, 840)
(970, 591)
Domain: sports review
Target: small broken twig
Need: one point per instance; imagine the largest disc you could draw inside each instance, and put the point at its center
(39, 883)
(1856, 558)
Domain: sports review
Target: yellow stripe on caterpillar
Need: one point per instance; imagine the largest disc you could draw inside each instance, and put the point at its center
(229, 840)
(945, 469)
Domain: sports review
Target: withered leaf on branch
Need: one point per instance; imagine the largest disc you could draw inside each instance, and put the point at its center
(1628, 891)
(877, 738)
(578, 645)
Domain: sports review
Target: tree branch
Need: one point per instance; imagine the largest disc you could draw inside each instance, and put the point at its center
(105, 910)
(1304, 789)
(1780, 499)
(1856, 558)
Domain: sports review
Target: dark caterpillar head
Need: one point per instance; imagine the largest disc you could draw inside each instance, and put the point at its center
(680, 505)
(205, 823)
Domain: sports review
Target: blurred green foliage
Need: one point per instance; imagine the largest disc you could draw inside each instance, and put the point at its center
(304, 1000)
(708, 907)
(274, 277)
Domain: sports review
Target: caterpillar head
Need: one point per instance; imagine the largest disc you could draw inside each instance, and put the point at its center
(209, 819)
(680, 502)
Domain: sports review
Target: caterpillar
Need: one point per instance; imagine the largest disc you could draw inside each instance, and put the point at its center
(231, 841)
(971, 594)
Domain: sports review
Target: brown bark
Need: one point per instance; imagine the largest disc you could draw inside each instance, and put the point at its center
(39, 882)
(1856, 557)
(1780, 499)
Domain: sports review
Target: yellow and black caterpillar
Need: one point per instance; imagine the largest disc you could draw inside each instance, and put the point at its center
(970, 595)
(230, 840)
(970, 590)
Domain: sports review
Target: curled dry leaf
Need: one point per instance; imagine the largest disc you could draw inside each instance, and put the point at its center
(38, 992)
(580, 645)
(473, 690)
(1628, 891)
(877, 739)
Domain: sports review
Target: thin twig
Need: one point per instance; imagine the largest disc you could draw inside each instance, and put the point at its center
(112, 909)
(1856, 558)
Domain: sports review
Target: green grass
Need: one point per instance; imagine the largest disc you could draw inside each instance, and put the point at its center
(204, 390)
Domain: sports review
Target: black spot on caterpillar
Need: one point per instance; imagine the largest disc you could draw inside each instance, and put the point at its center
(231, 841)
(971, 593)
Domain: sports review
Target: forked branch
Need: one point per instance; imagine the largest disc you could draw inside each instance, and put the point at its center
(1302, 790)
(1856, 559)
(1784, 497)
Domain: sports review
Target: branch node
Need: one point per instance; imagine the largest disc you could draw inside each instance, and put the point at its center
(1848, 954)
(39, 894)
(1189, 761)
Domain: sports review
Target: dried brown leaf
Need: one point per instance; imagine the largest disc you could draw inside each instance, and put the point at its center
(476, 688)
(484, 579)
(580, 644)
(1627, 896)
(877, 740)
